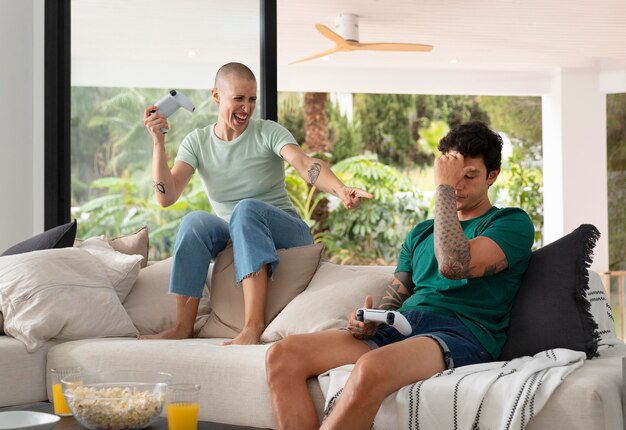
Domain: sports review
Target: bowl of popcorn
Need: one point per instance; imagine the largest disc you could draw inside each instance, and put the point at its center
(116, 400)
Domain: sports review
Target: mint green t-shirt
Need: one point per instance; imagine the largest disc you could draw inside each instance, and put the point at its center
(483, 304)
(248, 167)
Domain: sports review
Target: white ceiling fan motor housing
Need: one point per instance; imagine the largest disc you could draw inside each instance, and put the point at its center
(347, 26)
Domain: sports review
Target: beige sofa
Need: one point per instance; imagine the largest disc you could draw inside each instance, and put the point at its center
(234, 388)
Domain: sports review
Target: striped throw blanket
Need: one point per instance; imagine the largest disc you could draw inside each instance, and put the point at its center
(497, 395)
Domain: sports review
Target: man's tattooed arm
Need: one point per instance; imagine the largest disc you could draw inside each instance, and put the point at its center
(158, 187)
(314, 172)
(400, 289)
(452, 248)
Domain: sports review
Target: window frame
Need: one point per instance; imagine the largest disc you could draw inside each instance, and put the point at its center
(57, 100)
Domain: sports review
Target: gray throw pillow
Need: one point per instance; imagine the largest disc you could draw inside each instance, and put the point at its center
(58, 237)
(551, 309)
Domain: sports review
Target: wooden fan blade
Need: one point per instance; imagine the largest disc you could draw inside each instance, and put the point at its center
(394, 47)
(313, 57)
(329, 34)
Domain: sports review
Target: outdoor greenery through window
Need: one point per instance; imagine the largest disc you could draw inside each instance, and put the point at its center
(383, 143)
(616, 175)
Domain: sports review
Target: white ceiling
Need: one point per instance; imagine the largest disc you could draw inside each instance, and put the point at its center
(480, 34)
(517, 36)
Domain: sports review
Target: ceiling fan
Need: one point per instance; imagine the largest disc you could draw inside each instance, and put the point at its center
(346, 38)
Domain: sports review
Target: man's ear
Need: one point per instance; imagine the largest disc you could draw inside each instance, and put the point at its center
(492, 176)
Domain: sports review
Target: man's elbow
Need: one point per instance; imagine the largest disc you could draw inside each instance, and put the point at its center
(452, 272)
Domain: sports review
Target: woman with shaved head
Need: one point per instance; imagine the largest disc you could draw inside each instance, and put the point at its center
(241, 163)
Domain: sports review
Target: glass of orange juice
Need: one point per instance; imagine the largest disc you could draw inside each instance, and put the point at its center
(182, 406)
(58, 400)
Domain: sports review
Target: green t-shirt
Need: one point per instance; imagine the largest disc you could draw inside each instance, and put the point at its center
(249, 166)
(483, 304)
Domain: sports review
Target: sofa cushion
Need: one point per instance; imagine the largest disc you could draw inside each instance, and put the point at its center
(149, 305)
(136, 243)
(23, 373)
(296, 268)
(59, 293)
(551, 309)
(333, 293)
(58, 237)
(122, 269)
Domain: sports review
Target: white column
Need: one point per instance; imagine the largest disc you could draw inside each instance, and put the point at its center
(16, 112)
(574, 158)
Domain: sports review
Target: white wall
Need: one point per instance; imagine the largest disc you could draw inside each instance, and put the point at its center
(21, 115)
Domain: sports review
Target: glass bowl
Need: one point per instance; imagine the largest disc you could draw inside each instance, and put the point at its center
(116, 400)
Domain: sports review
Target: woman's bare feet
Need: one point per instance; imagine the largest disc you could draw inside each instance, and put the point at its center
(171, 333)
(250, 335)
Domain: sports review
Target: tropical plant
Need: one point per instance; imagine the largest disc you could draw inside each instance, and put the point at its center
(373, 233)
(519, 185)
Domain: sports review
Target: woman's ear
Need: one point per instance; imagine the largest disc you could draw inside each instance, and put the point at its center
(215, 94)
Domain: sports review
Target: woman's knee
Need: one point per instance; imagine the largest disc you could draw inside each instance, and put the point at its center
(200, 222)
(247, 208)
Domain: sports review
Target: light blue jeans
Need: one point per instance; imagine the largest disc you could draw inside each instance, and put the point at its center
(257, 230)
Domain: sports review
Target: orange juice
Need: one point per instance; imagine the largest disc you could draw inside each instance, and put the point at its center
(182, 416)
(60, 406)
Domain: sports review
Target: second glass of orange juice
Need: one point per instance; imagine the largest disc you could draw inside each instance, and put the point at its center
(58, 400)
(182, 406)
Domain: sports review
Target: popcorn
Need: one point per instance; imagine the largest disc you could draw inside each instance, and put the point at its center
(116, 408)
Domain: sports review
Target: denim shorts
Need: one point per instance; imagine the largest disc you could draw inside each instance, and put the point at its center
(460, 347)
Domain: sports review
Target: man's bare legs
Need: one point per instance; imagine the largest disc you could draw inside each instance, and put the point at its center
(379, 373)
(186, 312)
(291, 361)
(254, 298)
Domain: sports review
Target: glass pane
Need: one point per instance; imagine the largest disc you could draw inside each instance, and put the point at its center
(126, 56)
(386, 144)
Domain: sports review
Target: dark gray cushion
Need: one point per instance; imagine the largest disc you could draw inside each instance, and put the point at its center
(551, 309)
(58, 237)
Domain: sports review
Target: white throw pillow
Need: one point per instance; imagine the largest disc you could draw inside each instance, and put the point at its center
(59, 293)
(333, 293)
(122, 269)
(601, 308)
(149, 305)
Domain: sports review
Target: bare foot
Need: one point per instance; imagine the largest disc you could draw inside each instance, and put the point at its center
(171, 333)
(250, 335)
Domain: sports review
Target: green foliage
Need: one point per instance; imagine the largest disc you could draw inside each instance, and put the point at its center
(431, 136)
(452, 110)
(520, 186)
(385, 128)
(345, 140)
(520, 118)
(373, 233)
(616, 160)
(125, 205)
(291, 114)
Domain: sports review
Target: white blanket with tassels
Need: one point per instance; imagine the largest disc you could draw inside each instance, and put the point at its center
(497, 395)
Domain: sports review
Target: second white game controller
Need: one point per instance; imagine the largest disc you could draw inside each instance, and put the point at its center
(392, 318)
(171, 103)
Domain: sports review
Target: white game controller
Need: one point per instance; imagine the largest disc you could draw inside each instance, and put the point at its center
(171, 103)
(392, 318)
